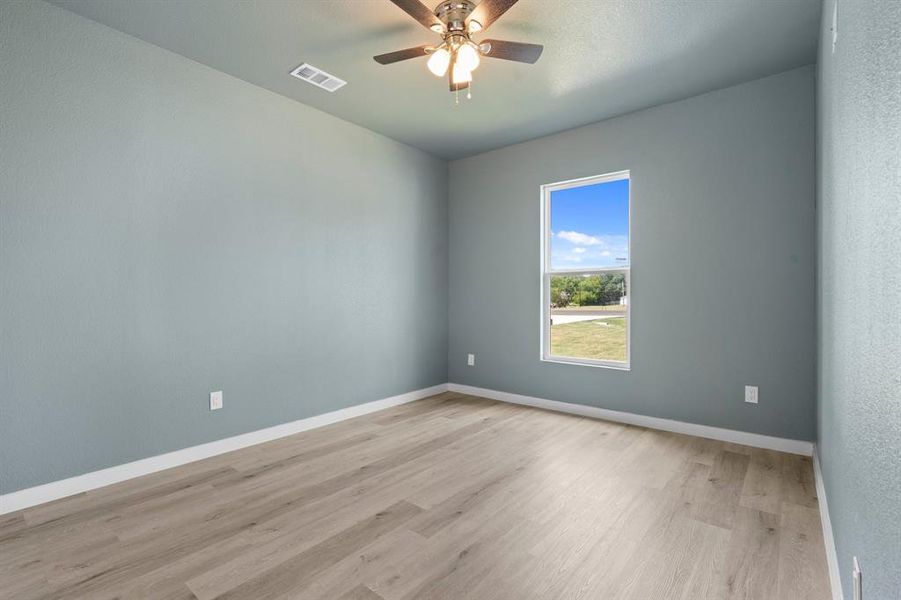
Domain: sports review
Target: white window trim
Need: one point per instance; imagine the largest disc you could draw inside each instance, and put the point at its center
(546, 273)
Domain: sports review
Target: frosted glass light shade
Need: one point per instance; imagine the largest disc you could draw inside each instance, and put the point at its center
(468, 57)
(438, 62)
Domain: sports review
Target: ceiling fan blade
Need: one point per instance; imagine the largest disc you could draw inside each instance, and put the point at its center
(518, 51)
(489, 11)
(419, 11)
(453, 85)
(399, 55)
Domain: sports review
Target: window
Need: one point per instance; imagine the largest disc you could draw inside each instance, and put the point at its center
(585, 268)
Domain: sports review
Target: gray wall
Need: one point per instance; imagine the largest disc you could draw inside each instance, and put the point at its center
(859, 223)
(168, 230)
(722, 259)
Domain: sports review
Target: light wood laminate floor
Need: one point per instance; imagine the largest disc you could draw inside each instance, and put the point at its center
(449, 497)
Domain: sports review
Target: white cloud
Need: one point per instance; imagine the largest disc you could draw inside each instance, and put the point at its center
(580, 239)
(577, 250)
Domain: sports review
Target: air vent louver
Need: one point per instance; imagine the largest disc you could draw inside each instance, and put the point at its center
(318, 77)
(332, 84)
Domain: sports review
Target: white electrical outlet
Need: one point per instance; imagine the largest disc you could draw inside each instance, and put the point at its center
(751, 394)
(215, 400)
(856, 581)
(471, 360)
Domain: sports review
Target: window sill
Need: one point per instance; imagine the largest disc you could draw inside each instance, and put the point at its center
(587, 362)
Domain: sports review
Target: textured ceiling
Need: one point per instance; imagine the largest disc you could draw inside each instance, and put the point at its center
(602, 58)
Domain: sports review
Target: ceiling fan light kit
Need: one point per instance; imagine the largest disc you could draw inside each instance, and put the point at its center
(457, 56)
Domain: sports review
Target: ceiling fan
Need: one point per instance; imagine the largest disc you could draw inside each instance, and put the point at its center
(457, 56)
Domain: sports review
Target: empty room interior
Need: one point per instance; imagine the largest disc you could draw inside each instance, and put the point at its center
(470, 299)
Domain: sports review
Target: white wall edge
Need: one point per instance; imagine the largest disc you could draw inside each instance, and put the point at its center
(96, 479)
(835, 579)
(715, 433)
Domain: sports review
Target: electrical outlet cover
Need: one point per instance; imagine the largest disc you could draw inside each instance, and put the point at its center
(751, 394)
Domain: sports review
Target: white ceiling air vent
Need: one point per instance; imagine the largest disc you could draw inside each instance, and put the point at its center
(318, 77)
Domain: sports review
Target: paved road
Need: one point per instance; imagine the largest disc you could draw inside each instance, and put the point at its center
(575, 318)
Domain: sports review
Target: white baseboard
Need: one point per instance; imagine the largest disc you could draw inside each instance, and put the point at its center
(74, 485)
(96, 479)
(715, 433)
(835, 579)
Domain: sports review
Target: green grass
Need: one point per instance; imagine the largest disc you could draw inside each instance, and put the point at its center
(602, 339)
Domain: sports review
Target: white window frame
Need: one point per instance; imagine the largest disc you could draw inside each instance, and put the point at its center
(547, 271)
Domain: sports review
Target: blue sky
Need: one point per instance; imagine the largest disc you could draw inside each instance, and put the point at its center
(590, 226)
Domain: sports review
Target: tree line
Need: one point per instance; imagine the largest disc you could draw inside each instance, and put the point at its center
(591, 290)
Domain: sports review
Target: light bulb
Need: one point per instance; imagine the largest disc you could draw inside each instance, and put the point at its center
(468, 57)
(475, 27)
(438, 62)
(461, 75)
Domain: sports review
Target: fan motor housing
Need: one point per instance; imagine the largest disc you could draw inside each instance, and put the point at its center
(453, 13)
